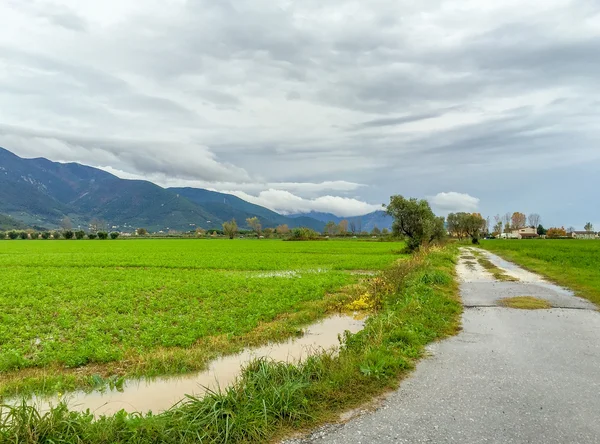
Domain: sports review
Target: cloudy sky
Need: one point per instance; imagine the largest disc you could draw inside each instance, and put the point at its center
(311, 105)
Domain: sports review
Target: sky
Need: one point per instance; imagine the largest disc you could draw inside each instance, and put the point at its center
(475, 105)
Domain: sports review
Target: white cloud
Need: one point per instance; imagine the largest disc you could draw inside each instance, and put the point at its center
(453, 201)
(285, 202)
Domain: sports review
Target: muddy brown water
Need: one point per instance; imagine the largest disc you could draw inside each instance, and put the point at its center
(158, 395)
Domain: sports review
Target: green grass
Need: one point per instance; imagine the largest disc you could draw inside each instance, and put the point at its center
(570, 263)
(420, 305)
(73, 313)
(525, 303)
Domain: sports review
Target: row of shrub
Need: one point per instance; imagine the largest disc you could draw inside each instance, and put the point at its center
(67, 234)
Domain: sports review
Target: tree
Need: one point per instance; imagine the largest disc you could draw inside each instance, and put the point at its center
(46, 235)
(414, 220)
(200, 232)
(375, 231)
(141, 232)
(541, 231)
(588, 227)
(66, 224)
(269, 232)
(282, 229)
(114, 235)
(23, 235)
(79, 234)
(534, 220)
(92, 236)
(466, 224)
(352, 225)
(343, 227)
(230, 228)
(254, 223)
(385, 231)
(102, 235)
(570, 230)
(506, 219)
(56, 235)
(556, 232)
(12, 234)
(518, 220)
(331, 228)
(68, 234)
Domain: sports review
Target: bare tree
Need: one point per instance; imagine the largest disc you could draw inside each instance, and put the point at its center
(66, 224)
(506, 221)
(534, 220)
(570, 230)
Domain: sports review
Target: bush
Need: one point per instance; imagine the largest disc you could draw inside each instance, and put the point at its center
(56, 234)
(13, 234)
(114, 235)
(102, 235)
(23, 235)
(34, 235)
(303, 233)
(46, 235)
(79, 234)
(92, 236)
(68, 234)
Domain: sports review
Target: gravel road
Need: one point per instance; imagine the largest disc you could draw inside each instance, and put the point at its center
(511, 376)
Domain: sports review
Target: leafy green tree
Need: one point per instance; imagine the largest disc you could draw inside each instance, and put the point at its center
(46, 235)
(114, 235)
(56, 235)
(92, 236)
(102, 235)
(541, 230)
(385, 231)
(414, 220)
(141, 232)
(79, 234)
(375, 231)
(68, 234)
(13, 234)
(230, 228)
(588, 227)
(269, 232)
(23, 235)
(282, 229)
(2, 235)
(331, 228)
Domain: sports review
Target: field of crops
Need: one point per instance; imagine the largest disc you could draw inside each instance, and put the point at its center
(73, 310)
(572, 263)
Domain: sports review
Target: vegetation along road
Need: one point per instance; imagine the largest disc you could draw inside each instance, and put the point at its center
(524, 368)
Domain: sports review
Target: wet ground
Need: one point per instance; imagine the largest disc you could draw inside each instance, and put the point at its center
(160, 394)
(510, 376)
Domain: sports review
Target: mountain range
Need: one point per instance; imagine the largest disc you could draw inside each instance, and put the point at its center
(39, 192)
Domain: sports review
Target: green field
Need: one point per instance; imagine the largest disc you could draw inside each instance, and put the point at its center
(71, 312)
(572, 263)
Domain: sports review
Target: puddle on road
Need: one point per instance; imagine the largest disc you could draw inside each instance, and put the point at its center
(160, 394)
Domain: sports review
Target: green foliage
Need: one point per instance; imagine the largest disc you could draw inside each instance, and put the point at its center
(23, 235)
(13, 234)
(304, 234)
(102, 235)
(230, 228)
(272, 396)
(114, 235)
(464, 225)
(56, 235)
(414, 220)
(541, 230)
(79, 234)
(92, 236)
(68, 234)
(574, 263)
(46, 235)
(141, 232)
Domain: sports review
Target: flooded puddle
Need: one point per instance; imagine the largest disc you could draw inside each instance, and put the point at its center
(160, 394)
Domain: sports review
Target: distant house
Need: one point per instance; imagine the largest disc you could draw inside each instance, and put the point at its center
(584, 235)
(521, 233)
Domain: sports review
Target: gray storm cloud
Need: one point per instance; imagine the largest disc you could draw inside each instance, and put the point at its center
(412, 98)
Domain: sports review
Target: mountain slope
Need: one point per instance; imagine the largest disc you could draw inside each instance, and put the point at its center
(229, 207)
(367, 222)
(42, 192)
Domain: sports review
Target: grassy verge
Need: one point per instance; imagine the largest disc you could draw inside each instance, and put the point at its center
(570, 263)
(525, 303)
(417, 302)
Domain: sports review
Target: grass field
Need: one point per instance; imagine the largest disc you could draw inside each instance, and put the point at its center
(418, 304)
(76, 313)
(571, 263)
